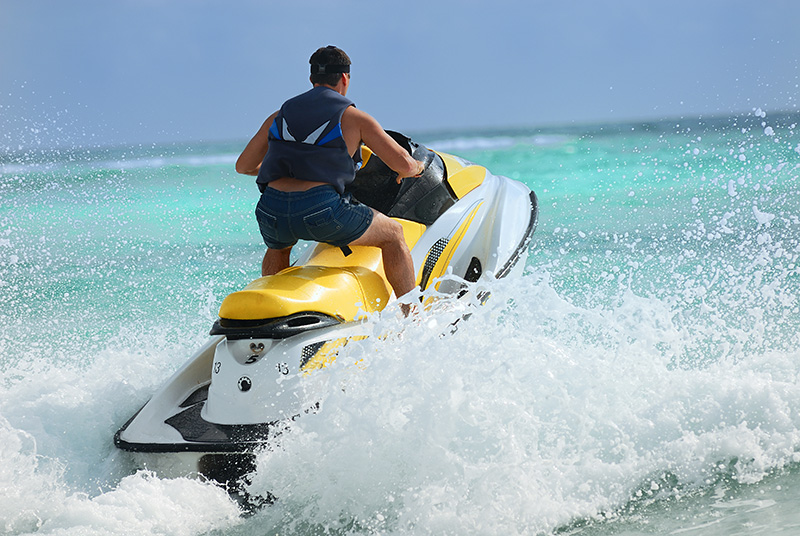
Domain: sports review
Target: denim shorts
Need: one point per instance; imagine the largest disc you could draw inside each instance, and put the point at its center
(320, 214)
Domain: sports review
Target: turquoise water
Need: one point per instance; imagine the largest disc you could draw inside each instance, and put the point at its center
(640, 378)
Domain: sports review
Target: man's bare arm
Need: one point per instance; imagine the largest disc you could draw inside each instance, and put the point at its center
(249, 162)
(372, 134)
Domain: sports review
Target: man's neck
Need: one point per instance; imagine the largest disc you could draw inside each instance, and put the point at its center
(339, 88)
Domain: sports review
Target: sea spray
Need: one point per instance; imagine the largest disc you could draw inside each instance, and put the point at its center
(643, 371)
(30, 485)
(62, 474)
(519, 426)
(140, 505)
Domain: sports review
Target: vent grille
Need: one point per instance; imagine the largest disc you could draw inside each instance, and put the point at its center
(430, 262)
(309, 352)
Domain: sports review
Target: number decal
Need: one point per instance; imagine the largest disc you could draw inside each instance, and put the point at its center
(283, 368)
(217, 364)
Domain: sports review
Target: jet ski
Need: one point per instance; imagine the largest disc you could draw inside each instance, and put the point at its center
(233, 397)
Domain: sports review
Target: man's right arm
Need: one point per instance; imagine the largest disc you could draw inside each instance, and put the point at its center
(379, 142)
(249, 162)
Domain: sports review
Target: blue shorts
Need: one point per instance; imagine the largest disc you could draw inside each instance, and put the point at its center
(320, 214)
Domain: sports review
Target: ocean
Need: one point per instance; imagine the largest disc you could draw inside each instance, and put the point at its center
(641, 377)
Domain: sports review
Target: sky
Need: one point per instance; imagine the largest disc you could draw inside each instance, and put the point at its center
(118, 72)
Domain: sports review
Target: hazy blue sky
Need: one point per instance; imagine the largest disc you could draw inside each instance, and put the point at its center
(139, 71)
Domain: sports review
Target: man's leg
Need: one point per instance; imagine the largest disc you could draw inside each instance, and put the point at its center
(387, 234)
(275, 260)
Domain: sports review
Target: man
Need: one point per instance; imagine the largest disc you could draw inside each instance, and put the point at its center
(305, 154)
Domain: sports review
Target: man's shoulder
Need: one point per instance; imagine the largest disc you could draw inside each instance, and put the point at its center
(355, 115)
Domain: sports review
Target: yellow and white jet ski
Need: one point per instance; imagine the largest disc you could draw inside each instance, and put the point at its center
(233, 394)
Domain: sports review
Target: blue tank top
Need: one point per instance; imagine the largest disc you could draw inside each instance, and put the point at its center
(306, 143)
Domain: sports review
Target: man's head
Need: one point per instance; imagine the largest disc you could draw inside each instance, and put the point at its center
(328, 64)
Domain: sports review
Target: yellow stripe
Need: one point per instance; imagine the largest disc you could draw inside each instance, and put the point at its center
(328, 352)
(444, 259)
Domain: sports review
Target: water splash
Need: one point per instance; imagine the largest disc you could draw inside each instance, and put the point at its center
(649, 354)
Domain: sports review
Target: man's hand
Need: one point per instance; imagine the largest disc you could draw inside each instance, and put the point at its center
(420, 171)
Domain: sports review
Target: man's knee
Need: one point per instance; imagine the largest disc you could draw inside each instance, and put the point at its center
(387, 232)
(395, 232)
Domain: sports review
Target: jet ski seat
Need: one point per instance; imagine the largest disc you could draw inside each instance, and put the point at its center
(342, 293)
(338, 286)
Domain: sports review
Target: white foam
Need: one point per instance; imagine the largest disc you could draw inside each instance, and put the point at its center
(143, 504)
(30, 486)
(536, 412)
(61, 474)
(763, 218)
